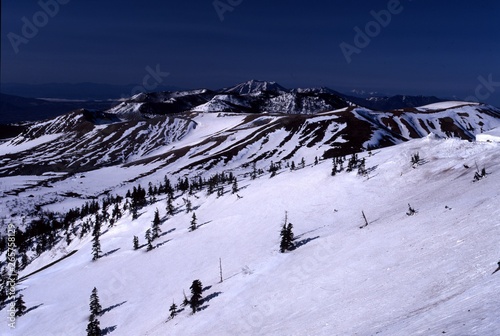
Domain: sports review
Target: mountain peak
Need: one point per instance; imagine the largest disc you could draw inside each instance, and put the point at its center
(255, 86)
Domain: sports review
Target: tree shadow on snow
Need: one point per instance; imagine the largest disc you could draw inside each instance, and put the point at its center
(211, 296)
(108, 330)
(110, 252)
(167, 232)
(162, 243)
(370, 170)
(33, 308)
(303, 242)
(203, 224)
(307, 232)
(110, 308)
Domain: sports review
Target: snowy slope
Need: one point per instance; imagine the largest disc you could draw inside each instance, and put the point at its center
(492, 135)
(401, 275)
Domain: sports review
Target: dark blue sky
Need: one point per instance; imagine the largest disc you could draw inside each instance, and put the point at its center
(429, 47)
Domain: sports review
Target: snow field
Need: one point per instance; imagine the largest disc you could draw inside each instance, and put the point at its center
(401, 275)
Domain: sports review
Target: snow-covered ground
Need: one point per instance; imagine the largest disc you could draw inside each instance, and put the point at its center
(425, 274)
(445, 105)
(491, 136)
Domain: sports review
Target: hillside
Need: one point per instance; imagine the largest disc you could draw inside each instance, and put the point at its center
(422, 274)
(405, 273)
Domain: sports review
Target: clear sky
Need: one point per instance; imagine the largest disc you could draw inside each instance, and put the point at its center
(428, 47)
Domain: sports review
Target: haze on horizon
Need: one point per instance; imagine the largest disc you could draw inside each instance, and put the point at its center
(390, 46)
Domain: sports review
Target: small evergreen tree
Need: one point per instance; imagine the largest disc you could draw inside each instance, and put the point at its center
(116, 214)
(170, 205)
(149, 239)
(415, 159)
(253, 175)
(173, 310)
(235, 186)
(220, 191)
(362, 168)
(193, 225)
(136, 243)
(20, 305)
(156, 225)
(96, 246)
(286, 243)
(283, 242)
(411, 211)
(134, 211)
(196, 298)
(334, 168)
(95, 305)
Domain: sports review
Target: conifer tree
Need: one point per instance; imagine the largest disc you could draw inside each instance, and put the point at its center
(134, 210)
(196, 298)
(173, 310)
(96, 245)
(283, 242)
(20, 305)
(93, 327)
(220, 191)
(334, 168)
(253, 175)
(193, 225)
(411, 211)
(156, 225)
(362, 168)
(235, 186)
(95, 305)
(136, 243)
(415, 159)
(170, 206)
(149, 239)
(117, 214)
(289, 236)
(286, 243)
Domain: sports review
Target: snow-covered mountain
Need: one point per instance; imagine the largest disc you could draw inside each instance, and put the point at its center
(422, 272)
(248, 97)
(83, 140)
(255, 87)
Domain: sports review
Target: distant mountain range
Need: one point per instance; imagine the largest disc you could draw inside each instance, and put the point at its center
(78, 91)
(249, 97)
